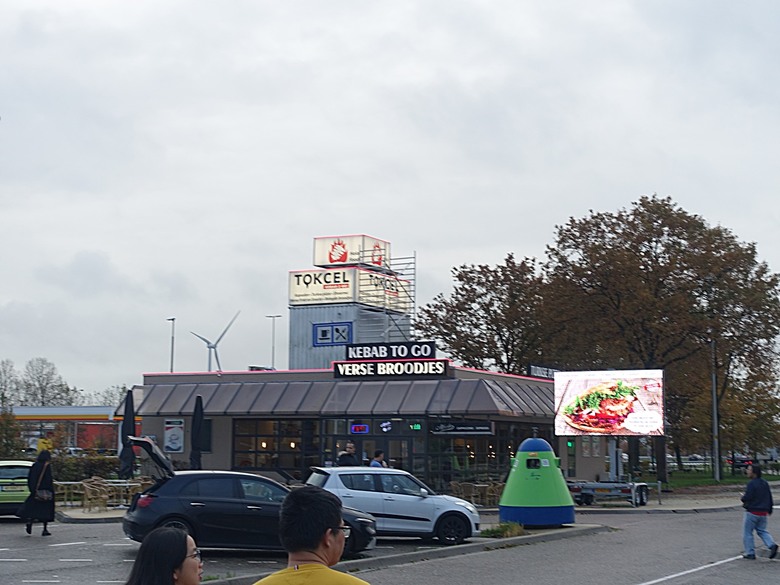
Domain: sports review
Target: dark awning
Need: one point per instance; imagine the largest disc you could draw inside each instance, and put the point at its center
(275, 399)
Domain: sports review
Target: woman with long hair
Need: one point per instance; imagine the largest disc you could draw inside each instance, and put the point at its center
(167, 556)
(39, 505)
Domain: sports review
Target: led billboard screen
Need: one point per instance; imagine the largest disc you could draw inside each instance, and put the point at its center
(610, 402)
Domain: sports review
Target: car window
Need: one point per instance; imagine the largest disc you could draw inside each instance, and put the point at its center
(399, 484)
(212, 487)
(262, 491)
(363, 482)
(14, 472)
(318, 478)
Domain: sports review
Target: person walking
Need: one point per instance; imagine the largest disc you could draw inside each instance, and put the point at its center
(167, 556)
(39, 505)
(313, 533)
(348, 457)
(758, 505)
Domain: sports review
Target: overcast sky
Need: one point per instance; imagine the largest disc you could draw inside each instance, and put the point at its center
(176, 159)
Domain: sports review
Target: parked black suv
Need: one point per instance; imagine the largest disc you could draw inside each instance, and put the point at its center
(223, 509)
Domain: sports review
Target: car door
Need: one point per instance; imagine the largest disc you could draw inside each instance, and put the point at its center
(404, 510)
(215, 510)
(359, 490)
(262, 501)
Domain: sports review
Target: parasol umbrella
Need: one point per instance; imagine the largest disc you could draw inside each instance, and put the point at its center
(196, 441)
(127, 455)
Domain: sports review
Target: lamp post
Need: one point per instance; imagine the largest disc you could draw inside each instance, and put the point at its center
(173, 336)
(715, 424)
(273, 319)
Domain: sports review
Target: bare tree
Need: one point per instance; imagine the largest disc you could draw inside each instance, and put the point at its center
(43, 386)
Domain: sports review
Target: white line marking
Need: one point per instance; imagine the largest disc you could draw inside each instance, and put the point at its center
(68, 543)
(28, 581)
(14, 560)
(75, 560)
(689, 571)
(116, 544)
(262, 562)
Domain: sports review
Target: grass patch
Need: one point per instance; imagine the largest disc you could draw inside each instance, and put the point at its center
(688, 479)
(504, 530)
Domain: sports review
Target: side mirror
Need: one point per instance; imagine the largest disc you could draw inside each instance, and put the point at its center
(423, 493)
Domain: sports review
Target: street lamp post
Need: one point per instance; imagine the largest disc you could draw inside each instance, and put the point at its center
(173, 336)
(273, 319)
(715, 424)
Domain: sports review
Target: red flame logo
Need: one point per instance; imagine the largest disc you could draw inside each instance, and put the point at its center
(377, 256)
(338, 252)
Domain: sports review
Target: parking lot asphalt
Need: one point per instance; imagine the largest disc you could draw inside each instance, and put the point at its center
(667, 503)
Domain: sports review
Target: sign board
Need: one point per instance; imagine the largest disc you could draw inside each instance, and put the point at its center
(385, 351)
(329, 334)
(467, 427)
(609, 403)
(418, 369)
(173, 437)
(351, 251)
(317, 287)
(536, 371)
(349, 285)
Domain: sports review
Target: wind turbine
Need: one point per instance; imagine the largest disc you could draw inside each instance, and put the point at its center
(213, 346)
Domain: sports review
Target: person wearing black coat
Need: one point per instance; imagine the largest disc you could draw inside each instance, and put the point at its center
(348, 457)
(39, 478)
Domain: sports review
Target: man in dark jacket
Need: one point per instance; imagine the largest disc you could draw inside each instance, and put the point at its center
(758, 504)
(348, 457)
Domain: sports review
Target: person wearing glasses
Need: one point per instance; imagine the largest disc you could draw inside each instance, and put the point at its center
(167, 556)
(313, 533)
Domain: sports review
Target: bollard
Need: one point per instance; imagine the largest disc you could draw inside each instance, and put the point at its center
(659, 492)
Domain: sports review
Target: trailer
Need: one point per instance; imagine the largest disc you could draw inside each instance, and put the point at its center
(586, 493)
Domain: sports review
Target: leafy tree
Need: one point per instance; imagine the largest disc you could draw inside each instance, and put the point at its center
(490, 320)
(11, 443)
(42, 386)
(649, 287)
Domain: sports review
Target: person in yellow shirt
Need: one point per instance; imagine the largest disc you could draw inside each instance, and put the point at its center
(313, 533)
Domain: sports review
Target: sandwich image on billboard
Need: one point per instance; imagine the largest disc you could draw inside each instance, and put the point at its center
(610, 402)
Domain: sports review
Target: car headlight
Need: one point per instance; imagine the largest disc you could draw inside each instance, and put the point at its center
(470, 507)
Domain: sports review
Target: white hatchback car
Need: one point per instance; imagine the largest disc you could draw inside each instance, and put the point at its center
(401, 503)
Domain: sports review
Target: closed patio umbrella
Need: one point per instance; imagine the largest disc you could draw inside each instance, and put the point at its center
(196, 441)
(127, 455)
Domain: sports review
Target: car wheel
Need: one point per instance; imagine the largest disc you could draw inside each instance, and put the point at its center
(179, 523)
(452, 530)
(587, 499)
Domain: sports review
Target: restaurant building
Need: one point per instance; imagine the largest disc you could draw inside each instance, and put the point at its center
(358, 374)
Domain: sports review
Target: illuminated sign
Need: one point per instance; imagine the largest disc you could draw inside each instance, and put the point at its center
(463, 428)
(391, 351)
(359, 429)
(391, 369)
(610, 402)
(415, 427)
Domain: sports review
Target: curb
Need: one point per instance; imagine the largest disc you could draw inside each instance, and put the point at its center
(477, 545)
(65, 519)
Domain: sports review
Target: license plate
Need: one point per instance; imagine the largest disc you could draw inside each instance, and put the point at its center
(11, 488)
(603, 490)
